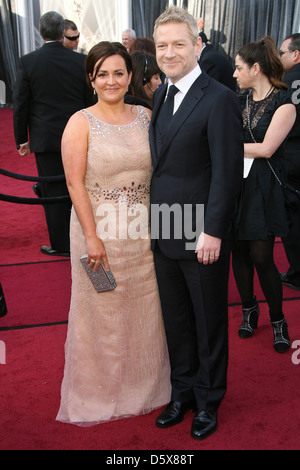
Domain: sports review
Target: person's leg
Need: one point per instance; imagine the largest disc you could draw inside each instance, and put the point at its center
(208, 288)
(262, 255)
(57, 215)
(243, 270)
(269, 278)
(179, 325)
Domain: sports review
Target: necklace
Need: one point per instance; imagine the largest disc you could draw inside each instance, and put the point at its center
(268, 93)
(253, 108)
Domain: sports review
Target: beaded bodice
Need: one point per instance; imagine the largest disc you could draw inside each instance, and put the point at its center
(119, 161)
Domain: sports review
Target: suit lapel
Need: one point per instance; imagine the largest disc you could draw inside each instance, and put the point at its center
(190, 101)
(160, 96)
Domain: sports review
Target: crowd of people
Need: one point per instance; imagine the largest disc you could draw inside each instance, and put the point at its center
(162, 123)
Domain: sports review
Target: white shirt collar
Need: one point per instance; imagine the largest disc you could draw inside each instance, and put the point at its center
(185, 83)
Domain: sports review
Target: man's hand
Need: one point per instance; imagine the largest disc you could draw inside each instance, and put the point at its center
(24, 150)
(208, 249)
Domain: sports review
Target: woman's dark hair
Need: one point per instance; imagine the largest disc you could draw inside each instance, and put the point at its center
(264, 52)
(144, 67)
(99, 53)
(143, 44)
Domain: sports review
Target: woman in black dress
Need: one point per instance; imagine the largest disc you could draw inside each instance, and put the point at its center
(268, 116)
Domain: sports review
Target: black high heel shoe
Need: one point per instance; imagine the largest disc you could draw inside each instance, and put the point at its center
(281, 336)
(250, 321)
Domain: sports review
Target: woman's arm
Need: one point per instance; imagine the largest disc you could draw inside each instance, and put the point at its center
(280, 126)
(74, 155)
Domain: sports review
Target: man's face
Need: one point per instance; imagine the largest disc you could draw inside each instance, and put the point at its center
(127, 40)
(176, 54)
(71, 40)
(286, 56)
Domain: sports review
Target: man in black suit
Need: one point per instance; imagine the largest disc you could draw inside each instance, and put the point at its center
(50, 87)
(216, 65)
(197, 156)
(290, 57)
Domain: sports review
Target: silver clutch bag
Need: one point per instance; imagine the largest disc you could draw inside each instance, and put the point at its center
(102, 280)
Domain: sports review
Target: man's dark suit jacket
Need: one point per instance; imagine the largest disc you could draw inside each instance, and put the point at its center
(217, 67)
(50, 87)
(290, 77)
(200, 160)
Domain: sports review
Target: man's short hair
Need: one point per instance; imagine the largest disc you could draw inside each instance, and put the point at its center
(174, 14)
(131, 32)
(52, 26)
(70, 25)
(294, 45)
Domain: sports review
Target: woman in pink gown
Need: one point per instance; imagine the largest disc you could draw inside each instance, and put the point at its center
(117, 363)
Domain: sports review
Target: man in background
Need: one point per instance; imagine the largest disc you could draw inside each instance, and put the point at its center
(215, 64)
(290, 57)
(128, 37)
(72, 35)
(50, 87)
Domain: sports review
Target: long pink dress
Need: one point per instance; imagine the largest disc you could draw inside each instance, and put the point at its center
(116, 362)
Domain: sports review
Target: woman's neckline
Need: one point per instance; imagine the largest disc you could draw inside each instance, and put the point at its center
(269, 93)
(115, 125)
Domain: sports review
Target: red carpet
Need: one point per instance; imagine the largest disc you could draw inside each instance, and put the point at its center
(260, 410)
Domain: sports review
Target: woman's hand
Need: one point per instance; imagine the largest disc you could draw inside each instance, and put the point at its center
(96, 253)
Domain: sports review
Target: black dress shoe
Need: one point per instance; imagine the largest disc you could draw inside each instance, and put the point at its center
(173, 414)
(204, 424)
(37, 190)
(285, 281)
(47, 250)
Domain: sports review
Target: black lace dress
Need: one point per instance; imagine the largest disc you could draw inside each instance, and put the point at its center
(261, 211)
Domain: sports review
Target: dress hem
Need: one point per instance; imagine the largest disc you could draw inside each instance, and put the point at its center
(86, 424)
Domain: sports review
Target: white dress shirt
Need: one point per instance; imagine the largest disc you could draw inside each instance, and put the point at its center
(183, 85)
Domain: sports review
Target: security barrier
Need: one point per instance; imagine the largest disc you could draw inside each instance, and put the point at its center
(36, 179)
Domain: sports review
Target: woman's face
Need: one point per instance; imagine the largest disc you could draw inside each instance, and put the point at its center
(112, 80)
(243, 73)
(153, 84)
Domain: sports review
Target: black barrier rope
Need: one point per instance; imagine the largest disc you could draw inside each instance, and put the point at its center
(37, 179)
(33, 201)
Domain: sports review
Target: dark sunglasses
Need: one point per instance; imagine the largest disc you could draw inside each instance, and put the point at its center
(73, 38)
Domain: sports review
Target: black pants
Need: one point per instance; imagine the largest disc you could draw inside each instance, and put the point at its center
(57, 215)
(194, 302)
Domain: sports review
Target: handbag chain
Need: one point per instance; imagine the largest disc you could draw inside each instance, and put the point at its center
(252, 136)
